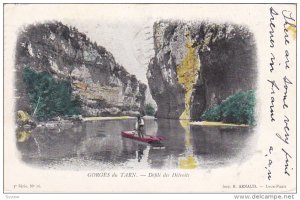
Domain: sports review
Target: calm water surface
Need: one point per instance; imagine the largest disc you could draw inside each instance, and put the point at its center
(99, 145)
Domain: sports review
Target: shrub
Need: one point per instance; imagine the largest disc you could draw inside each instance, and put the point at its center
(238, 108)
(212, 114)
(49, 97)
(149, 110)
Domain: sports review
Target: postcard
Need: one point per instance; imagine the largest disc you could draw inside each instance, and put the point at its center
(150, 98)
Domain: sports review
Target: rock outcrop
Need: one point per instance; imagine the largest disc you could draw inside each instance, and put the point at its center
(199, 64)
(103, 87)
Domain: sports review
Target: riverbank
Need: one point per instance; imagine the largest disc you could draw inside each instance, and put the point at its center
(208, 123)
(113, 118)
(106, 118)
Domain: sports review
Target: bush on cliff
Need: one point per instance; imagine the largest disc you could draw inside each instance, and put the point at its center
(238, 109)
(149, 110)
(212, 114)
(49, 97)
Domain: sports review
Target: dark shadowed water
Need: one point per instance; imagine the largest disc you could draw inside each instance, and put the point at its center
(99, 145)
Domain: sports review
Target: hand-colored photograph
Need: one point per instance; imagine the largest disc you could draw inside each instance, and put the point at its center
(189, 104)
(147, 91)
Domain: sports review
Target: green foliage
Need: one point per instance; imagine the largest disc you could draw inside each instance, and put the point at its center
(49, 97)
(238, 109)
(149, 110)
(212, 114)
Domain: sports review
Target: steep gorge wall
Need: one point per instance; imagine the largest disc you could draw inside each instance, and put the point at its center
(103, 87)
(198, 65)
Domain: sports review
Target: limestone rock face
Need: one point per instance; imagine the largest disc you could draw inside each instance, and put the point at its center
(103, 87)
(199, 64)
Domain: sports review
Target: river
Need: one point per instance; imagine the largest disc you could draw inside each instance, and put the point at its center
(99, 145)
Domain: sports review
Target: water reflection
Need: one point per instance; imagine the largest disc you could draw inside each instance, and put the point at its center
(98, 144)
(140, 152)
(189, 161)
(220, 146)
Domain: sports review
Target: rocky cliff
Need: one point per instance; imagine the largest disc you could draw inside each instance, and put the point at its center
(102, 86)
(199, 64)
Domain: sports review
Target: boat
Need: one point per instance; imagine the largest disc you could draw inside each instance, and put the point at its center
(147, 138)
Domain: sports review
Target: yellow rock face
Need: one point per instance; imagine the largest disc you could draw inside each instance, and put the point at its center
(23, 136)
(187, 75)
(23, 116)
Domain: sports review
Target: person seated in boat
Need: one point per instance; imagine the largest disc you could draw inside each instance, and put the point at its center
(139, 126)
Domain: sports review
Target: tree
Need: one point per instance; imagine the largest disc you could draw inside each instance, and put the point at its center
(149, 110)
(49, 97)
(238, 108)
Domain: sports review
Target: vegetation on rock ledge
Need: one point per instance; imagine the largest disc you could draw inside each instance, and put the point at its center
(149, 110)
(49, 97)
(238, 109)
